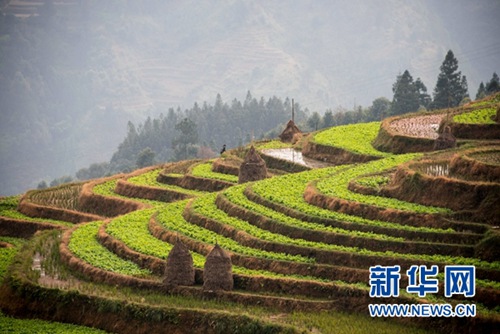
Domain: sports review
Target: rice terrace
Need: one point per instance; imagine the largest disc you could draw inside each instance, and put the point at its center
(192, 247)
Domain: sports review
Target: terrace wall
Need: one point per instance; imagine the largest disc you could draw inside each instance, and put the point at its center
(480, 198)
(104, 205)
(475, 131)
(389, 140)
(128, 189)
(333, 155)
(41, 211)
(18, 228)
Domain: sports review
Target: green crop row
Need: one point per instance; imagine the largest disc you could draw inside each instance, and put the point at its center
(204, 170)
(172, 219)
(206, 207)
(235, 195)
(7, 254)
(84, 245)
(337, 186)
(106, 188)
(288, 190)
(355, 138)
(132, 229)
(373, 181)
(480, 116)
(8, 209)
(149, 179)
(273, 144)
(35, 326)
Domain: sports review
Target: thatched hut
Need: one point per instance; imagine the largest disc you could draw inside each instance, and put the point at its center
(252, 168)
(445, 140)
(180, 269)
(290, 132)
(218, 273)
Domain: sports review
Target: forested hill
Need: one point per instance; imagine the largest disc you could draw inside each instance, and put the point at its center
(74, 72)
(197, 132)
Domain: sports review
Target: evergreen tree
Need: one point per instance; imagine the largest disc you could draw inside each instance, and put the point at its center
(406, 94)
(451, 86)
(146, 158)
(481, 91)
(380, 108)
(185, 144)
(494, 85)
(465, 88)
(314, 121)
(42, 185)
(424, 99)
(328, 120)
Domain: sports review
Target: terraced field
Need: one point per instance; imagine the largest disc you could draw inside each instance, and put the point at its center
(303, 245)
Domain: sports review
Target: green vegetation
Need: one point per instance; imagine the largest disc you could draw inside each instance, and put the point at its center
(23, 326)
(349, 323)
(84, 245)
(235, 195)
(373, 181)
(205, 206)
(409, 95)
(149, 179)
(480, 116)
(205, 170)
(106, 188)
(8, 209)
(451, 86)
(272, 144)
(288, 190)
(337, 186)
(35, 326)
(355, 138)
(172, 219)
(7, 254)
(132, 229)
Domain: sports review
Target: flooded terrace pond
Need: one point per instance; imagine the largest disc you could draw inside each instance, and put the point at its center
(294, 156)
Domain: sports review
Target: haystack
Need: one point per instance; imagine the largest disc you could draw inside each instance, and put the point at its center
(253, 167)
(218, 273)
(180, 270)
(290, 131)
(445, 140)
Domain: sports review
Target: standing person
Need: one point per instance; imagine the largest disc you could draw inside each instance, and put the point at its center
(223, 149)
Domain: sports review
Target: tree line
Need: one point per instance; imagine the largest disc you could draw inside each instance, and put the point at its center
(411, 95)
(200, 132)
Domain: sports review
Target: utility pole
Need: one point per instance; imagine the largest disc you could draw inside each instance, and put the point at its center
(293, 111)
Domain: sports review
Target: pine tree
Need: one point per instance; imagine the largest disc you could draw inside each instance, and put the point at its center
(423, 98)
(185, 145)
(481, 91)
(451, 87)
(494, 85)
(380, 108)
(328, 120)
(409, 95)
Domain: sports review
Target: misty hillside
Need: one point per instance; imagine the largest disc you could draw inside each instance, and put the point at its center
(73, 73)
